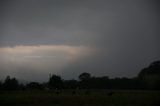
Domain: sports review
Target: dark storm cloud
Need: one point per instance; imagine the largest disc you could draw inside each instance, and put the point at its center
(124, 32)
(53, 21)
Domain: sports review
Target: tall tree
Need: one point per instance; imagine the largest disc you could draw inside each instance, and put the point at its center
(11, 83)
(84, 76)
(55, 81)
(151, 75)
(0, 85)
(85, 80)
(34, 85)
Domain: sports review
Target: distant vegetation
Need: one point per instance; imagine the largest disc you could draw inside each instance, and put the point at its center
(147, 79)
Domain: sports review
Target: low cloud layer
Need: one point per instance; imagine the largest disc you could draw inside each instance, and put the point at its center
(40, 60)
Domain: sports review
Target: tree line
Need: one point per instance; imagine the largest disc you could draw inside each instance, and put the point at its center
(147, 79)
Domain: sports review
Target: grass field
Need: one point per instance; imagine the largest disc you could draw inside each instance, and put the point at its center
(80, 98)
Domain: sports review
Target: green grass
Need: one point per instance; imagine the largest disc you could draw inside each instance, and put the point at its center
(94, 98)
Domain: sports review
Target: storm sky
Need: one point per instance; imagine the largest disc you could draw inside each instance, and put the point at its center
(116, 38)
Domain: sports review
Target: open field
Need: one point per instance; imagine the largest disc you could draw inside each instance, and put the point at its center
(80, 98)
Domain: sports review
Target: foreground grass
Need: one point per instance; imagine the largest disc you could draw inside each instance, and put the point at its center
(66, 98)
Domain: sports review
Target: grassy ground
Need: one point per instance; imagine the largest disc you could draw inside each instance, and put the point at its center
(81, 98)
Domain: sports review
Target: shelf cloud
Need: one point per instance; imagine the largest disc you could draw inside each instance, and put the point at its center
(41, 58)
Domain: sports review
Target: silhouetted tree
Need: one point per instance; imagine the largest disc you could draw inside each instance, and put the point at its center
(11, 84)
(70, 84)
(100, 82)
(55, 82)
(85, 80)
(34, 85)
(151, 75)
(96, 83)
(22, 87)
(153, 69)
(84, 76)
(0, 85)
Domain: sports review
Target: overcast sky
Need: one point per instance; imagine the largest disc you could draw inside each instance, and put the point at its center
(116, 38)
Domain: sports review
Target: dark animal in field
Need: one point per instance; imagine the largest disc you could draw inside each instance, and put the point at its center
(110, 93)
(73, 92)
